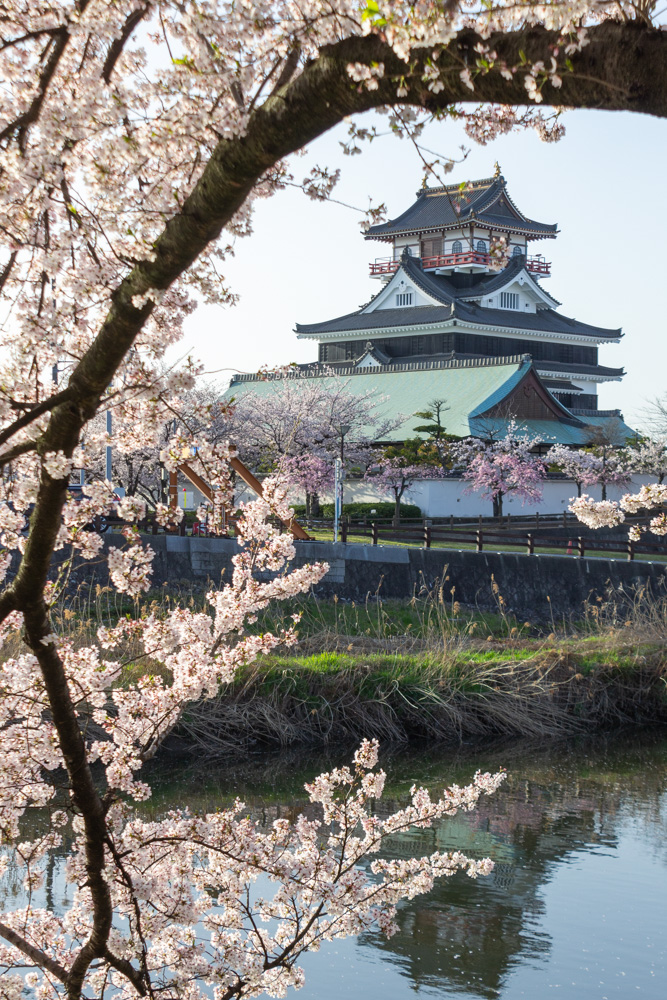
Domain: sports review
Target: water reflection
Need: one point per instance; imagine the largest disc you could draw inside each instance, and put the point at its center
(576, 903)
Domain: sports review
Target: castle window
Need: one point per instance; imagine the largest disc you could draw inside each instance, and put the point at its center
(404, 298)
(509, 300)
(481, 246)
(457, 246)
(517, 252)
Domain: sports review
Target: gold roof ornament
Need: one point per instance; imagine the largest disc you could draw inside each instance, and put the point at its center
(496, 172)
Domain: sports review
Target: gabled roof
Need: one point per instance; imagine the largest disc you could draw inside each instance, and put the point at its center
(448, 207)
(473, 388)
(373, 353)
(456, 305)
(490, 283)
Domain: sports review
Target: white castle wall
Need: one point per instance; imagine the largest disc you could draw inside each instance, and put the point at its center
(445, 497)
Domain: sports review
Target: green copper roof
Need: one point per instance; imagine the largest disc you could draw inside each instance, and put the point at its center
(470, 388)
(464, 388)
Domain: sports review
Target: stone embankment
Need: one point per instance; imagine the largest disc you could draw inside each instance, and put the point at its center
(533, 585)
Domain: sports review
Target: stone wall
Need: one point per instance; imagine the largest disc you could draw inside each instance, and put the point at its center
(532, 585)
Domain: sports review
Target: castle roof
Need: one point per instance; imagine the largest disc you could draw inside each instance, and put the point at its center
(454, 305)
(485, 202)
(479, 391)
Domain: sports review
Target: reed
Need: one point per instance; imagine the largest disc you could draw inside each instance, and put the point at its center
(402, 671)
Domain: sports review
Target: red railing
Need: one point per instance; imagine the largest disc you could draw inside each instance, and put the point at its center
(386, 265)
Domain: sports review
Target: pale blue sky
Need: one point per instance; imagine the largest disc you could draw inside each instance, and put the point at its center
(604, 184)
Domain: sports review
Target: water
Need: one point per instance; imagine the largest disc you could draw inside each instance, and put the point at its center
(575, 909)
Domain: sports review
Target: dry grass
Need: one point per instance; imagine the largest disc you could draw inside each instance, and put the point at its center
(541, 691)
(426, 669)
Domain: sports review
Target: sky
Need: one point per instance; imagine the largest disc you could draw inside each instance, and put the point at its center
(604, 184)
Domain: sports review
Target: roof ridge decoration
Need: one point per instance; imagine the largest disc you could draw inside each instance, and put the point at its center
(318, 369)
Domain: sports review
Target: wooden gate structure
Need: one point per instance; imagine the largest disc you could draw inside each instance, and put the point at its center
(245, 474)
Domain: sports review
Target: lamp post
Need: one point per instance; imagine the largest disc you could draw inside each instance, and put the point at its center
(339, 478)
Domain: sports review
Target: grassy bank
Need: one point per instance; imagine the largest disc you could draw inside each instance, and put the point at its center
(526, 689)
(430, 669)
(425, 669)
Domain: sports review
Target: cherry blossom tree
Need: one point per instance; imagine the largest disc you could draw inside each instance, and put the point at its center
(609, 514)
(301, 424)
(394, 475)
(582, 467)
(501, 468)
(133, 134)
(298, 415)
(311, 474)
(649, 456)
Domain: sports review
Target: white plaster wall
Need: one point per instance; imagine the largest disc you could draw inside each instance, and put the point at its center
(404, 241)
(444, 497)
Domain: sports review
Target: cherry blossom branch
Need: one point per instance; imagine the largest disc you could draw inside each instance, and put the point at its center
(35, 955)
(84, 791)
(117, 46)
(35, 410)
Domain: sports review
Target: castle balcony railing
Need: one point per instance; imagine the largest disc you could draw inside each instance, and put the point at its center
(387, 265)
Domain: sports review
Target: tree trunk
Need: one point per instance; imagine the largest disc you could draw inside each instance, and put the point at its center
(498, 506)
(312, 505)
(396, 519)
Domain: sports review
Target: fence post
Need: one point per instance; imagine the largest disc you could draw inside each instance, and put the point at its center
(581, 547)
(343, 530)
(565, 519)
(451, 521)
(479, 520)
(530, 538)
(374, 533)
(480, 540)
(427, 535)
(631, 549)
(509, 520)
(181, 527)
(537, 519)
(154, 526)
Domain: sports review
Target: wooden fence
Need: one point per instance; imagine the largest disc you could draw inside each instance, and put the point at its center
(428, 535)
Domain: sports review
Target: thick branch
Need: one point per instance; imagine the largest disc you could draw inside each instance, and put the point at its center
(622, 68)
(117, 46)
(35, 411)
(36, 956)
(84, 791)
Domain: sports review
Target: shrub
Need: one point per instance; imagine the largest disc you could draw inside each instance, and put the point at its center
(384, 510)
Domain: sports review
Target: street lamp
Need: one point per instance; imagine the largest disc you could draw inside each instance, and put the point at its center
(343, 430)
(339, 477)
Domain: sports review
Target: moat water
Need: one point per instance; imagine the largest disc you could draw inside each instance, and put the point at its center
(576, 907)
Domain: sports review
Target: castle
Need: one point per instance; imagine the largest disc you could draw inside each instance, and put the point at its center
(447, 323)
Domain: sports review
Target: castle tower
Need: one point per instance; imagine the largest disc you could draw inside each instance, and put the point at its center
(462, 314)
